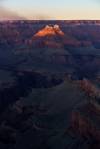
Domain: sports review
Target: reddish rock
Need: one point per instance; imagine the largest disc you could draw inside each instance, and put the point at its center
(49, 31)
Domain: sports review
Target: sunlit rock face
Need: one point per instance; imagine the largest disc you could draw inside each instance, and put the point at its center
(51, 36)
(49, 30)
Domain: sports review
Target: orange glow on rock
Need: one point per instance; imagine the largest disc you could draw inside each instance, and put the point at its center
(49, 31)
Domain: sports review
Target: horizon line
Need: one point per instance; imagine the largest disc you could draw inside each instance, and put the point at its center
(49, 20)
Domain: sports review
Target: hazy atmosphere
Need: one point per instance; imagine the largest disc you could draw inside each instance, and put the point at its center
(50, 9)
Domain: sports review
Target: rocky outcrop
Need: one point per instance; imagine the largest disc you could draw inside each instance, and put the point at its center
(83, 126)
(49, 30)
(48, 37)
(85, 118)
(90, 89)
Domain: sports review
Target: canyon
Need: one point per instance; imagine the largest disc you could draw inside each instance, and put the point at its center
(50, 84)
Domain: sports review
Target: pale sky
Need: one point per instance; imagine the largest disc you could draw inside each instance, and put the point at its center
(50, 9)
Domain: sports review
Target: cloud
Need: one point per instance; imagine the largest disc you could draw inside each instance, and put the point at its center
(6, 14)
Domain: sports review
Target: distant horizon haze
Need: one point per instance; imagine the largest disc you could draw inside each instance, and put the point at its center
(49, 10)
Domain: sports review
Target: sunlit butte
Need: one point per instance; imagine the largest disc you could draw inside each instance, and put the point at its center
(50, 9)
(50, 31)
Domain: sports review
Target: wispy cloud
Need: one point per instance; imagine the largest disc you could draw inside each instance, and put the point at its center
(7, 14)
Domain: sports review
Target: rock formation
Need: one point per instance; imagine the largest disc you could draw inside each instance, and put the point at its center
(49, 30)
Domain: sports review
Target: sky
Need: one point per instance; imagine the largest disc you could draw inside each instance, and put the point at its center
(50, 9)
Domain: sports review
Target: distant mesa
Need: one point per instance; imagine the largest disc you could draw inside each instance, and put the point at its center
(49, 30)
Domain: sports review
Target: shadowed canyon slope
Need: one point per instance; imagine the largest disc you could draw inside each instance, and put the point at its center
(49, 84)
